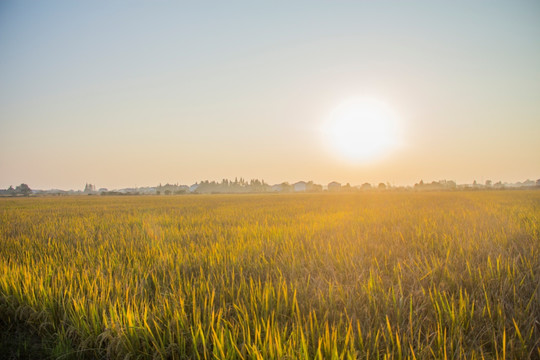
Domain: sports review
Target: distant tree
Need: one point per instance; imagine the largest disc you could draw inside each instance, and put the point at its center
(286, 187)
(382, 186)
(23, 189)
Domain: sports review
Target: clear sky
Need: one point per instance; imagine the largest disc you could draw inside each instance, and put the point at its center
(134, 93)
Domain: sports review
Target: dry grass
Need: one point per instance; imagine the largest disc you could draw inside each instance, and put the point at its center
(433, 275)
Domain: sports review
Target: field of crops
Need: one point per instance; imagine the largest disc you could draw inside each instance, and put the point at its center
(312, 276)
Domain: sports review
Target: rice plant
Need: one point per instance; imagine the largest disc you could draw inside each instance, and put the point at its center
(310, 276)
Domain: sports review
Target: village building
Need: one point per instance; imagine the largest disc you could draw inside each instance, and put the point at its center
(334, 186)
(300, 186)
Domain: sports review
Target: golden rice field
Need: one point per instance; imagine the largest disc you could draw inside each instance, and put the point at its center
(321, 276)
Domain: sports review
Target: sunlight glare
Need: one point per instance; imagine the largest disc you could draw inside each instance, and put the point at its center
(362, 129)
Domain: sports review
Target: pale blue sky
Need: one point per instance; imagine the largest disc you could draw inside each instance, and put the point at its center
(126, 93)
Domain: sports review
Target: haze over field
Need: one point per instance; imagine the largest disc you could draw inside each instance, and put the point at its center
(137, 93)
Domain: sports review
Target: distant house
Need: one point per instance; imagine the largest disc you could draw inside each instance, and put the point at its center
(300, 186)
(366, 186)
(334, 186)
(276, 188)
(193, 188)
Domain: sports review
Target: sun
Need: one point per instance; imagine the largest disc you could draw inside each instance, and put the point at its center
(362, 129)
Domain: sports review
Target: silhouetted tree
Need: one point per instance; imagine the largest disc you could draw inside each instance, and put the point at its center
(23, 189)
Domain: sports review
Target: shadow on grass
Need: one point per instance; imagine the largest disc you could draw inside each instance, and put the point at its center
(18, 341)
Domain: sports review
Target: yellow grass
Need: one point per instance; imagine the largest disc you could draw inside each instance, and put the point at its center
(323, 276)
